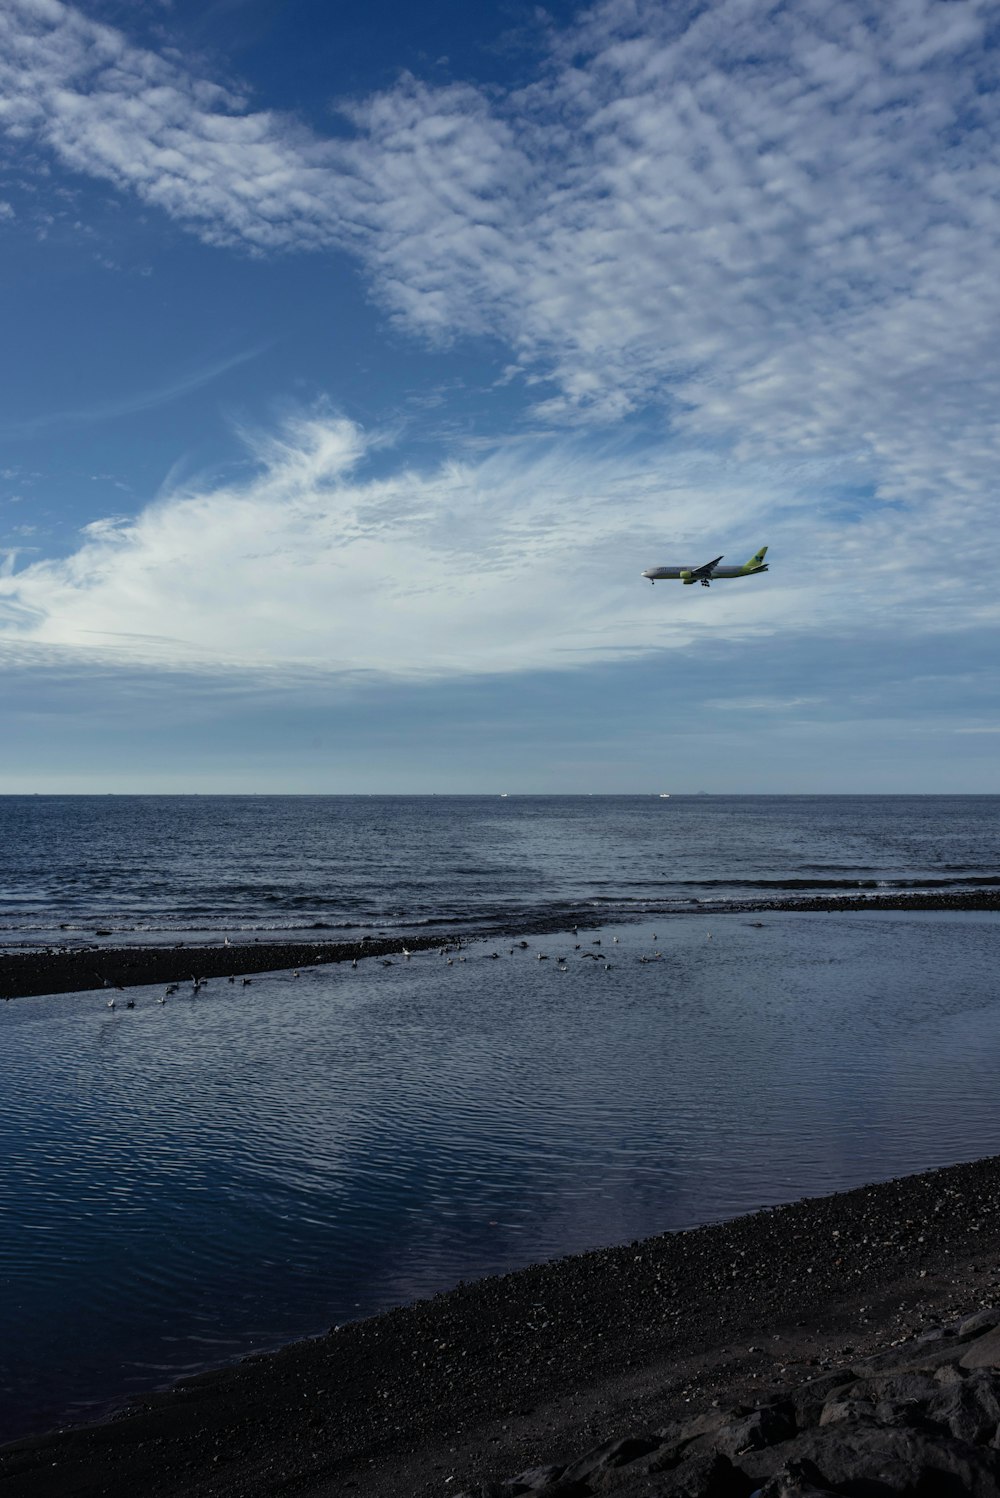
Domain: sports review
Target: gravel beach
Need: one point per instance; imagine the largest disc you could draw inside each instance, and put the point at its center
(509, 1374)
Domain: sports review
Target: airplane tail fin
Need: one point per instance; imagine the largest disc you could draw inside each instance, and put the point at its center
(756, 562)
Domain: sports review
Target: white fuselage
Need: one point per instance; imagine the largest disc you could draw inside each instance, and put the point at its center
(694, 575)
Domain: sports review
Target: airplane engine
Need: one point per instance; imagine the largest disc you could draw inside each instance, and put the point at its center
(686, 576)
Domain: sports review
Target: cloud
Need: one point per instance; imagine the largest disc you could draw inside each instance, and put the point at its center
(185, 145)
(523, 558)
(509, 562)
(777, 223)
(127, 405)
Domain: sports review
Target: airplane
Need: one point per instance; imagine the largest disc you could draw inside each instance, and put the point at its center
(709, 572)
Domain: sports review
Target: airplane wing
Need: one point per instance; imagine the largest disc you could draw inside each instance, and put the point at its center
(707, 569)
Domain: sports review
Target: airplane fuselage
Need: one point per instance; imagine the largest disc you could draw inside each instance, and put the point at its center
(708, 572)
(690, 574)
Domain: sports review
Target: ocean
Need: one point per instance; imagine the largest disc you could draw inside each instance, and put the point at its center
(186, 1182)
(159, 868)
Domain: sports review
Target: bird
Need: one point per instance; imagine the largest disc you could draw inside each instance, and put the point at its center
(386, 962)
(111, 1003)
(407, 953)
(614, 938)
(354, 962)
(162, 999)
(130, 1003)
(247, 981)
(543, 957)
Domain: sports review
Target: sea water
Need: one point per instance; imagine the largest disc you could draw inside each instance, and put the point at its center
(161, 868)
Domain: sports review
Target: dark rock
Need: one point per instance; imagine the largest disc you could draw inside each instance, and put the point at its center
(708, 1474)
(870, 1461)
(970, 1410)
(835, 1411)
(609, 1455)
(984, 1352)
(763, 1427)
(982, 1321)
(809, 1398)
(796, 1480)
(534, 1479)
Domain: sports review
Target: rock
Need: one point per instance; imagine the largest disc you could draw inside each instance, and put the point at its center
(970, 1410)
(867, 1458)
(896, 1388)
(533, 1480)
(763, 1427)
(796, 1480)
(610, 1455)
(982, 1321)
(809, 1399)
(984, 1352)
(837, 1410)
(932, 1334)
(705, 1475)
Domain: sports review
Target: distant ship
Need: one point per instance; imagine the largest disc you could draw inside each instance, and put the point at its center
(664, 795)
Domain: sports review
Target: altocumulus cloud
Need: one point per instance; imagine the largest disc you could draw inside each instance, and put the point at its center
(777, 220)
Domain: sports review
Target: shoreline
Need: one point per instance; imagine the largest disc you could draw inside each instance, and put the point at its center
(81, 969)
(503, 1374)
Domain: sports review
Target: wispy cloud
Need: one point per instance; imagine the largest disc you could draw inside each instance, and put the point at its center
(493, 565)
(524, 558)
(127, 405)
(737, 704)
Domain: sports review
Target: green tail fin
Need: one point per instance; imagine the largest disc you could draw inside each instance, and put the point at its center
(757, 560)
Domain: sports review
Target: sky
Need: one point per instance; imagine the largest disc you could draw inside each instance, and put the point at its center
(357, 360)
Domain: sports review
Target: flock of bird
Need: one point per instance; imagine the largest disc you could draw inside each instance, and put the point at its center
(451, 953)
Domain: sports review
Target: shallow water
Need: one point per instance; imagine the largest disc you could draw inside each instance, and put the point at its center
(189, 1181)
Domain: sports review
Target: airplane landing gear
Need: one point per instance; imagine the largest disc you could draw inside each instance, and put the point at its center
(705, 582)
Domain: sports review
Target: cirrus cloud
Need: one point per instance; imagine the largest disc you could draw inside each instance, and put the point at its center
(526, 557)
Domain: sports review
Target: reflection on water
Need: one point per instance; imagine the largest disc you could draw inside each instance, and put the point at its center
(187, 1181)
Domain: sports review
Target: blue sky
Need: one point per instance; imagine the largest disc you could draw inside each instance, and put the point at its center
(356, 365)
